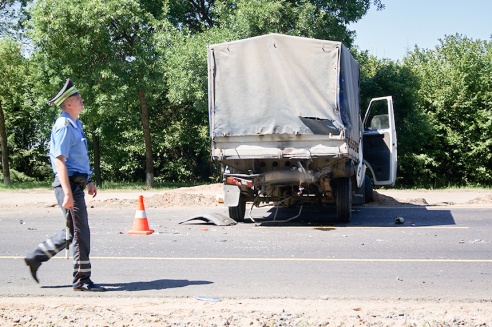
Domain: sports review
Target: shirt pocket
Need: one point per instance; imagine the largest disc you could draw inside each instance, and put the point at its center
(84, 140)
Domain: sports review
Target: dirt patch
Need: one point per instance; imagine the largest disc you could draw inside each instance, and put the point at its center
(481, 200)
(198, 196)
(240, 312)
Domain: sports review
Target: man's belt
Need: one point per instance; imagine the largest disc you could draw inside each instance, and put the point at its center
(79, 179)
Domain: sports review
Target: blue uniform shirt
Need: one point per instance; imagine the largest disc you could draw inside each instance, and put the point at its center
(68, 139)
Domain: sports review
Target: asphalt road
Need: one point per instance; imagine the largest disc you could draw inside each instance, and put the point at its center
(438, 253)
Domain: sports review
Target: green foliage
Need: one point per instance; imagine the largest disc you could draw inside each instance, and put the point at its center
(12, 17)
(186, 68)
(182, 148)
(385, 77)
(455, 94)
(12, 72)
(19, 177)
(317, 19)
(108, 49)
(442, 103)
(25, 140)
(25, 185)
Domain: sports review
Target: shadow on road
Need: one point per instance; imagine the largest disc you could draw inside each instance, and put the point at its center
(362, 216)
(159, 284)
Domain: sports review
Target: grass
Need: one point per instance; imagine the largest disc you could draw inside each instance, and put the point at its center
(46, 185)
(25, 186)
(131, 186)
(142, 186)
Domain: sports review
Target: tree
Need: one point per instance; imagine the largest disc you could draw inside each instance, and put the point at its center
(319, 19)
(108, 48)
(455, 95)
(12, 17)
(382, 77)
(12, 74)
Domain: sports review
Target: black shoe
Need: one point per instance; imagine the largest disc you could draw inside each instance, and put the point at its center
(90, 287)
(33, 267)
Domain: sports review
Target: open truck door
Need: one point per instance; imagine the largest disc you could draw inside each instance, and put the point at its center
(379, 141)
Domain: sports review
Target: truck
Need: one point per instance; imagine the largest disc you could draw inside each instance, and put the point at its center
(286, 126)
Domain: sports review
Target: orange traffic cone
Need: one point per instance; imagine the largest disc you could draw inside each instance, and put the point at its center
(140, 223)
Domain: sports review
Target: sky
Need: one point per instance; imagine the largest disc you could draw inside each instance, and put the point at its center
(391, 32)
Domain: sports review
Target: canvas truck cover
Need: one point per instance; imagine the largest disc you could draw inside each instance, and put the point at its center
(279, 84)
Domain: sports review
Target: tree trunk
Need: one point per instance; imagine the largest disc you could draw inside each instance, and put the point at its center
(97, 156)
(149, 161)
(5, 150)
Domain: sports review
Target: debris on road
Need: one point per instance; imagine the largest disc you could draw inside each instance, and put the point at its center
(214, 218)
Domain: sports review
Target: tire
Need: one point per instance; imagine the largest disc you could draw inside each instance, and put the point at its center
(369, 197)
(344, 200)
(237, 213)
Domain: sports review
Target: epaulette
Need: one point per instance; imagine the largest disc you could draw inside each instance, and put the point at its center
(61, 122)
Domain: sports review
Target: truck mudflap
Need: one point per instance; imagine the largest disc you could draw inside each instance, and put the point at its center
(231, 195)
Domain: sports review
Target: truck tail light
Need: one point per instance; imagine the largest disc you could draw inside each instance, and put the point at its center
(232, 181)
(235, 181)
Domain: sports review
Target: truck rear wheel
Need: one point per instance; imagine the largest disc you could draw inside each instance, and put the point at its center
(344, 200)
(237, 213)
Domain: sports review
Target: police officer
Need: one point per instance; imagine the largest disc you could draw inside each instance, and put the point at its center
(70, 163)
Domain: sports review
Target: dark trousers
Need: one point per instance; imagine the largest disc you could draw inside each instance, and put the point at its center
(79, 236)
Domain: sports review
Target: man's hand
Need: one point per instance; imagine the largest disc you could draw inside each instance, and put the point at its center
(61, 169)
(91, 189)
(68, 201)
